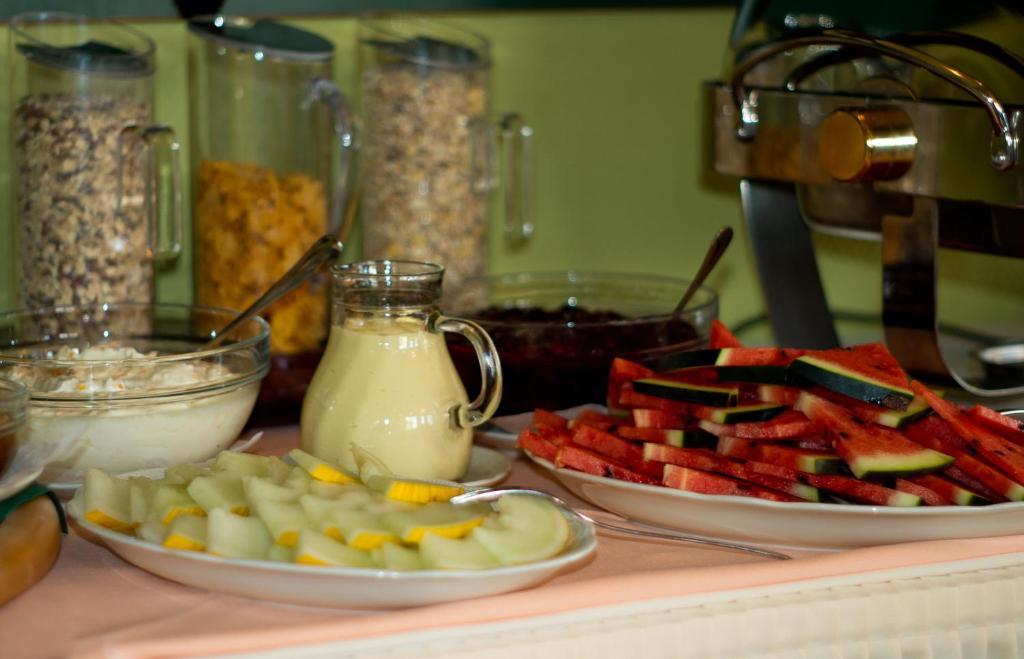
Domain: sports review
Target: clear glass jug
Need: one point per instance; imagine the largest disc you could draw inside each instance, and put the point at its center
(96, 184)
(386, 382)
(271, 140)
(431, 154)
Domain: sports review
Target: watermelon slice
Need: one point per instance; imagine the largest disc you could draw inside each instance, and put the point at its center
(545, 418)
(1007, 427)
(869, 450)
(813, 443)
(722, 336)
(950, 490)
(732, 357)
(702, 482)
(589, 462)
(773, 393)
(623, 371)
(928, 497)
(860, 491)
(1001, 453)
(687, 392)
(883, 416)
(629, 398)
(775, 375)
(785, 426)
(534, 443)
(796, 459)
(671, 437)
(613, 447)
(708, 461)
(868, 372)
(594, 419)
(936, 434)
(739, 413)
(644, 418)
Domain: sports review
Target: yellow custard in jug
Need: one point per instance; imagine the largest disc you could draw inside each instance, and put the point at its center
(388, 386)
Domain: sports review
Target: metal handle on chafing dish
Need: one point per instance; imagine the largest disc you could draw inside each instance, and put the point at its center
(1005, 143)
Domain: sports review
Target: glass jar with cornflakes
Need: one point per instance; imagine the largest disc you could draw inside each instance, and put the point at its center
(270, 145)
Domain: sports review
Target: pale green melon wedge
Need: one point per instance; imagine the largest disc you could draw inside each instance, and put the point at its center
(170, 501)
(243, 464)
(106, 501)
(298, 479)
(219, 490)
(186, 532)
(314, 548)
(283, 520)
(396, 557)
(152, 530)
(140, 499)
(360, 529)
(440, 553)
(528, 528)
(321, 470)
(280, 554)
(233, 536)
(437, 518)
(258, 489)
(182, 474)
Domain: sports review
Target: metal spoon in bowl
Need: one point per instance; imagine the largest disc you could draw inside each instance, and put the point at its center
(325, 250)
(498, 492)
(715, 251)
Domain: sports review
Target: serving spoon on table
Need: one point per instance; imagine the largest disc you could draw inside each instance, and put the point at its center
(326, 249)
(715, 251)
(487, 495)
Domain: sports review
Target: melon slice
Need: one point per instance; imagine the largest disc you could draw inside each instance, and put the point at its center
(949, 490)
(869, 373)
(687, 392)
(528, 528)
(106, 501)
(219, 490)
(703, 482)
(441, 553)
(283, 520)
(439, 518)
(396, 557)
(581, 459)
(320, 469)
(869, 451)
(242, 464)
(152, 530)
(233, 536)
(140, 499)
(186, 532)
(314, 548)
(258, 489)
(813, 461)
(280, 554)
(1008, 427)
(413, 490)
(182, 474)
(170, 501)
(360, 529)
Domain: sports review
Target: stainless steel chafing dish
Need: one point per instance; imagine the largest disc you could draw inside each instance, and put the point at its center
(913, 137)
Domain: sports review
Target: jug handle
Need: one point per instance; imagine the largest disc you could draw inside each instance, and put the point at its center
(325, 91)
(486, 403)
(154, 137)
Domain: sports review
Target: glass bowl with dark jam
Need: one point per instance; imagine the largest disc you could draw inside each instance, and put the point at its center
(557, 332)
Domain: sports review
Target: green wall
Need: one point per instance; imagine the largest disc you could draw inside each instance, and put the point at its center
(620, 184)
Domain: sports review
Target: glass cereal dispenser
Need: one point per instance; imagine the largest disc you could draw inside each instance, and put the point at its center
(270, 147)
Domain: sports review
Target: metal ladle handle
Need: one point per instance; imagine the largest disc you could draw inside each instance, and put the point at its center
(1005, 143)
(326, 249)
(711, 257)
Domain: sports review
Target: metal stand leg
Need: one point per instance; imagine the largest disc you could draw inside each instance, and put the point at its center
(909, 304)
(784, 255)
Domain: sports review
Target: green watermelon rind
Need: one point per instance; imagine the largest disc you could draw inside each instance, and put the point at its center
(686, 392)
(908, 464)
(917, 409)
(753, 374)
(850, 383)
(747, 413)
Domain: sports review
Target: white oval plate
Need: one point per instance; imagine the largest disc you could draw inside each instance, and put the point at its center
(351, 588)
(812, 525)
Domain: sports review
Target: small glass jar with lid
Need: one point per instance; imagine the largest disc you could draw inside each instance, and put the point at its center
(271, 141)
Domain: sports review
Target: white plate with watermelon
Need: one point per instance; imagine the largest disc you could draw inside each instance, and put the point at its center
(813, 525)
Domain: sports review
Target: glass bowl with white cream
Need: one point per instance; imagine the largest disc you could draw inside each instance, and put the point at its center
(133, 382)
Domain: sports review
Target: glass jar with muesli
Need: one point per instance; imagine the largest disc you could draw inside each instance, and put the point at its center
(430, 150)
(271, 139)
(95, 181)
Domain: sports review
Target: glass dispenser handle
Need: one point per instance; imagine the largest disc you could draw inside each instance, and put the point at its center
(516, 141)
(325, 91)
(486, 403)
(163, 173)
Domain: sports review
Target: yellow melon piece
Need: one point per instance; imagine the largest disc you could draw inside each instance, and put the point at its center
(170, 501)
(320, 469)
(219, 490)
(283, 520)
(186, 532)
(414, 491)
(106, 501)
(313, 548)
(360, 529)
(436, 518)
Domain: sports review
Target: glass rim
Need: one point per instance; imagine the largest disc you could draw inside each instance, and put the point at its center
(381, 22)
(263, 334)
(425, 269)
(568, 277)
(19, 23)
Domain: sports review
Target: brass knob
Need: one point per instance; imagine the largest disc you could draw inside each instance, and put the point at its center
(866, 144)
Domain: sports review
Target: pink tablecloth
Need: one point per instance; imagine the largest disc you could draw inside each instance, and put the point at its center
(95, 604)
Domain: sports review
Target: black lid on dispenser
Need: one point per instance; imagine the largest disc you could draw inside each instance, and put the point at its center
(269, 37)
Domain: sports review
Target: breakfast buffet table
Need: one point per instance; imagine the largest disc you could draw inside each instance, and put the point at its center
(641, 597)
